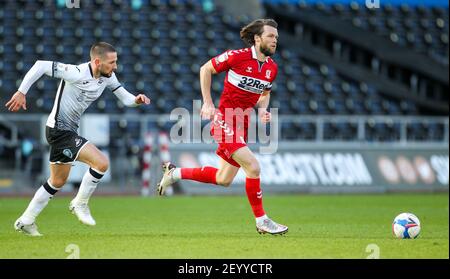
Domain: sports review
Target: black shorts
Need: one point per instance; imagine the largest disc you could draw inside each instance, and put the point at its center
(64, 145)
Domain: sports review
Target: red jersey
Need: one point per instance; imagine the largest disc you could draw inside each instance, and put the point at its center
(246, 79)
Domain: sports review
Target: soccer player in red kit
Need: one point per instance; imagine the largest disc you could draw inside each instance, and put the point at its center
(250, 73)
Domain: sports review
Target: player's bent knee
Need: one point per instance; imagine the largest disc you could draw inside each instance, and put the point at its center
(225, 183)
(58, 182)
(102, 165)
(253, 169)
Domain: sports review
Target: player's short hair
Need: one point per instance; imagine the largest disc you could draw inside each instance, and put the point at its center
(255, 27)
(100, 49)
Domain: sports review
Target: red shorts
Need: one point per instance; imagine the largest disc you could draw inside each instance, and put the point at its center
(229, 136)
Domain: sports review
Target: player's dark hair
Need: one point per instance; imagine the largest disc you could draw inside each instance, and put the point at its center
(100, 49)
(255, 27)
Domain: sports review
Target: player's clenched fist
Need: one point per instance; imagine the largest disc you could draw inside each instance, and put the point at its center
(265, 116)
(142, 99)
(208, 111)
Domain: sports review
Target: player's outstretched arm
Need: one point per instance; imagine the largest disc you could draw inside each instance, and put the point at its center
(18, 100)
(41, 67)
(129, 99)
(68, 72)
(124, 96)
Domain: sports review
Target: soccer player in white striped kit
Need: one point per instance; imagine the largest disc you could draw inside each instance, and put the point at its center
(80, 86)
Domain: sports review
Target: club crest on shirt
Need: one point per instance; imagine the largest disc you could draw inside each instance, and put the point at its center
(268, 73)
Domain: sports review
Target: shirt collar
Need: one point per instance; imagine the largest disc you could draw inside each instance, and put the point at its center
(254, 56)
(90, 69)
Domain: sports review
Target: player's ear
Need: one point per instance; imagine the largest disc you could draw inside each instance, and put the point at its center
(257, 38)
(97, 61)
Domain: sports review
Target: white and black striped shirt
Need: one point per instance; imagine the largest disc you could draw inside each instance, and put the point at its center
(77, 90)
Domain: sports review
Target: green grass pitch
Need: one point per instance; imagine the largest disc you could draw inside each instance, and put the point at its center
(320, 226)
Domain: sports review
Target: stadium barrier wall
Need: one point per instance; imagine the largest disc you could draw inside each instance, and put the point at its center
(312, 166)
(319, 168)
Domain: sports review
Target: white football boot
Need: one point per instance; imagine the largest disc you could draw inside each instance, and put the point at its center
(31, 229)
(269, 226)
(167, 178)
(81, 210)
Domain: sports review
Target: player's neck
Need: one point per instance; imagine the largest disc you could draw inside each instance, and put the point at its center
(260, 56)
(95, 71)
(97, 74)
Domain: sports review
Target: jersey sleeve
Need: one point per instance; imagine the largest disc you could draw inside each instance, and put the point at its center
(222, 62)
(125, 97)
(113, 83)
(121, 93)
(68, 72)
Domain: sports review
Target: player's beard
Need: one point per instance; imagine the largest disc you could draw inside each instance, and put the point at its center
(265, 50)
(103, 74)
(106, 75)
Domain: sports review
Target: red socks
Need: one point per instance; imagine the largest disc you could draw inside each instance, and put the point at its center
(208, 175)
(205, 174)
(254, 194)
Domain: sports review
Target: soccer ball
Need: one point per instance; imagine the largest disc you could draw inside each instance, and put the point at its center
(406, 225)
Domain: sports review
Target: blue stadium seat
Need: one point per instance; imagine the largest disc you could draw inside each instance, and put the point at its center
(156, 58)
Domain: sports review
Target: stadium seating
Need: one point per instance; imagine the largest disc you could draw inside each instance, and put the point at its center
(423, 28)
(162, 45)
